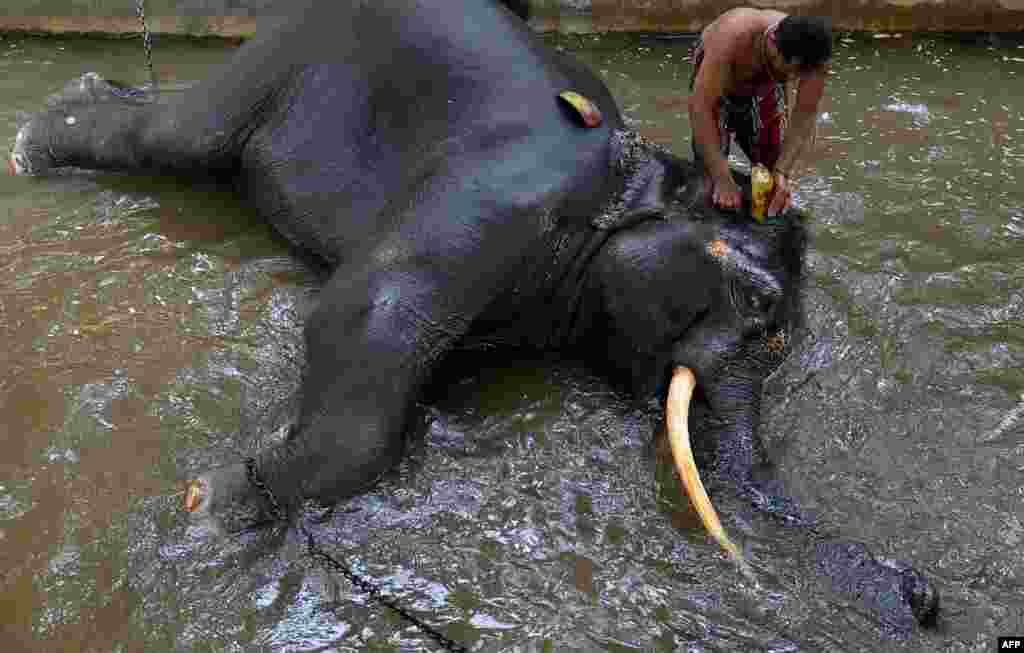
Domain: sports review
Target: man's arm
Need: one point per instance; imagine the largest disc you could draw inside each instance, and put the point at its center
(799, 136)
(800, 131)
(703, 106)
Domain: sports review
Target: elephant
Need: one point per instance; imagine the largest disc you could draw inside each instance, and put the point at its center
(467, 187)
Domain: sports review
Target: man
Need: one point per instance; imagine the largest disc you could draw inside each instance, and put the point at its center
(741, 67)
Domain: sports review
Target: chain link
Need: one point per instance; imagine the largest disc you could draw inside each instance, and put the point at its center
(147, 41)
(364, 584)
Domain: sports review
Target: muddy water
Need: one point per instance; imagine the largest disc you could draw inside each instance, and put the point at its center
(150, 330)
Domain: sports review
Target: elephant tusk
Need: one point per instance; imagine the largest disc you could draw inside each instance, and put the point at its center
(677, 412)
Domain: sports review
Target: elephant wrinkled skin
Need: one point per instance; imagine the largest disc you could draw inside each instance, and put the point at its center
(418, 149)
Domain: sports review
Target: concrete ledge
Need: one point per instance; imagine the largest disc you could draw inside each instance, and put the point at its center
(225, 27)
(236, 19)
(688, 16)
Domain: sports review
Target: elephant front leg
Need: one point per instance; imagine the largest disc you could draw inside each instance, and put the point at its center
(371, 344)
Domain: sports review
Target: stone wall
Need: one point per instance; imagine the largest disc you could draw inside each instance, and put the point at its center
(241, 18)
(222, 18)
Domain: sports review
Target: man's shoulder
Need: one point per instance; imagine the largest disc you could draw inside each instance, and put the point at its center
(747, 15)
(740, 11)
(732, 31)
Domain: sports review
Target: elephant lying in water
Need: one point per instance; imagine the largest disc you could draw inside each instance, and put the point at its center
(422, 153)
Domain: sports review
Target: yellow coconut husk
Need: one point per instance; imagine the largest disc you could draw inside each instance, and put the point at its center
(194, 495)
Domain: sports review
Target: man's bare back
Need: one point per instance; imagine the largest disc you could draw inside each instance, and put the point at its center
(732, 38)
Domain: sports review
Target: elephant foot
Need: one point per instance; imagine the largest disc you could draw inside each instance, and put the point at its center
(228, 499)
(900, 594)
(34, 152)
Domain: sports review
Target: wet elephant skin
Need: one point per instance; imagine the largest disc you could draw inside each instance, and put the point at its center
(419, 151)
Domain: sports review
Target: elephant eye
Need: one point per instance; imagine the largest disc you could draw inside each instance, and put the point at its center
(749, 302)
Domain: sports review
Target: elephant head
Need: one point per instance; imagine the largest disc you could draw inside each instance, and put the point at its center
(687, 294)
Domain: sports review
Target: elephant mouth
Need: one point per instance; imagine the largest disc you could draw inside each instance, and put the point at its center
(677, 414)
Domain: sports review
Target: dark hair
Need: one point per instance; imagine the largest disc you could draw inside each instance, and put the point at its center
(806, 39)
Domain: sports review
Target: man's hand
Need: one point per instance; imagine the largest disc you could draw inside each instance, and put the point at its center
(781, 196)
(727, 194)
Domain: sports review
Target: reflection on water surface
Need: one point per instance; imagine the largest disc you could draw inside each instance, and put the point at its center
(150, 330)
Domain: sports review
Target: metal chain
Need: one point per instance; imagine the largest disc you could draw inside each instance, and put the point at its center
(364, 584)
(147, 40)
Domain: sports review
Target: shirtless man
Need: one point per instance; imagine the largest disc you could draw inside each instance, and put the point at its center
(741, 67)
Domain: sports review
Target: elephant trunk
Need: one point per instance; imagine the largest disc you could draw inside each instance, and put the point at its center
(901, 595)
(735, 404)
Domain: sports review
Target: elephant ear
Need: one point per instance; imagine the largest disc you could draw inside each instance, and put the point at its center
(644, 195)
(653, 183)
(641, 198)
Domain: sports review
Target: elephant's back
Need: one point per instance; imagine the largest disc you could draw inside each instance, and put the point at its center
(390, 101)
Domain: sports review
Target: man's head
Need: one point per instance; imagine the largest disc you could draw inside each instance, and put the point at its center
(804, 41)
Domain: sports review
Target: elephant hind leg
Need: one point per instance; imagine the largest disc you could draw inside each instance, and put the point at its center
(97, 124)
